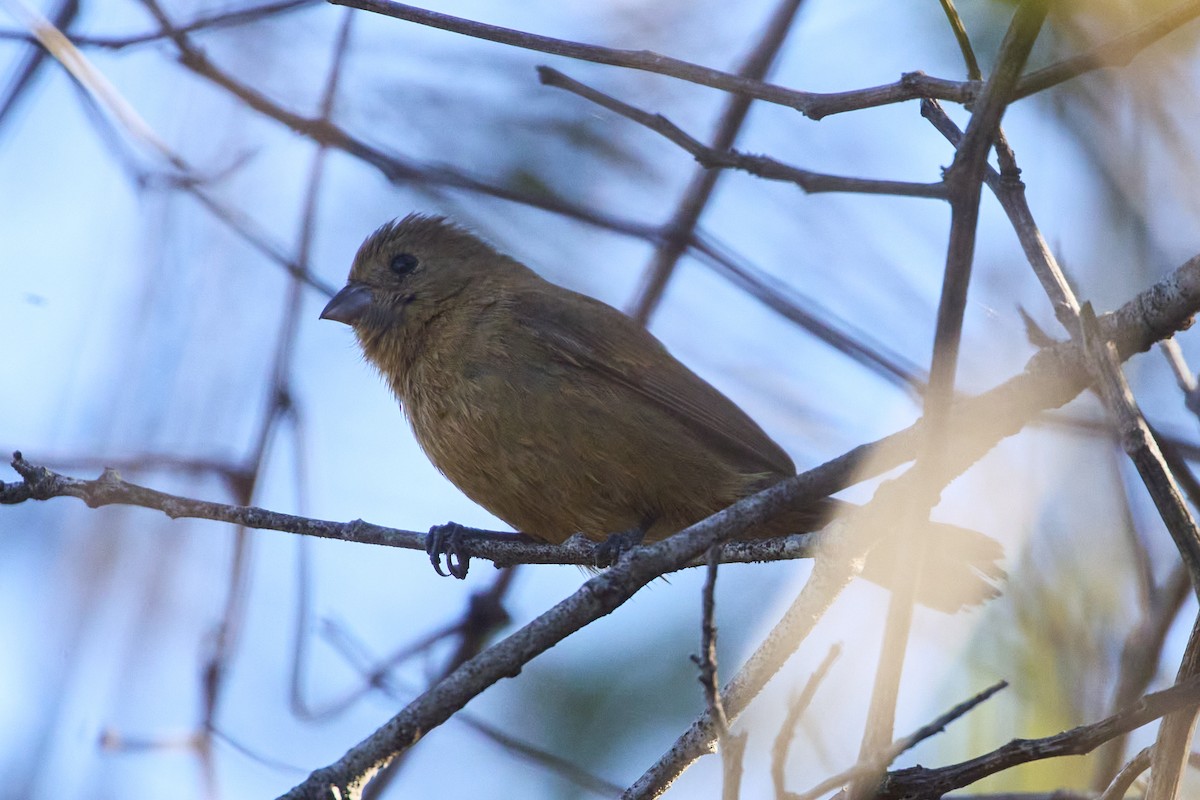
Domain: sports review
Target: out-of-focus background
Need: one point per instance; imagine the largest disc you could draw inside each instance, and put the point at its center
(149, 322)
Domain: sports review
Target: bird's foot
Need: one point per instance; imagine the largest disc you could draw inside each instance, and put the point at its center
(445, 542)
(611, 550)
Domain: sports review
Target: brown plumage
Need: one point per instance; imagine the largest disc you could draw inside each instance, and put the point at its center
(552, 410)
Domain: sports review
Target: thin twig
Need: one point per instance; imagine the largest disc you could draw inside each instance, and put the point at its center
(707, 660)
(922, 781)
(761, 166)
(871, 771)
(1127, 775)
(964, 41)
(810, 316)
(1010, 191)
(732, 746)
(796, 709)
(1184, 378)
(1141, 447)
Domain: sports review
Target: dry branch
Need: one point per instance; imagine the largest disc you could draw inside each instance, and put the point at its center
(757, 165)
(915, 782)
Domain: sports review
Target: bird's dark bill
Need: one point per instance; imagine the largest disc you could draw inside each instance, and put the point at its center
(349, 304)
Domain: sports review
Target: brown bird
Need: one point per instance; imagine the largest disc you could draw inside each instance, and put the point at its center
(555, 411)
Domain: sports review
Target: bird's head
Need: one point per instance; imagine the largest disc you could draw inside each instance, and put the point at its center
(408, 272)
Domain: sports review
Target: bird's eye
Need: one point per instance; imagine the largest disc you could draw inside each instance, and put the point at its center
(403, 263)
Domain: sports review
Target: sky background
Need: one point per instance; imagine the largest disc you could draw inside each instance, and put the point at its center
(136, 323)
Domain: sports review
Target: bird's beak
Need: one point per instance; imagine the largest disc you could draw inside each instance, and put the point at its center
(349, 304)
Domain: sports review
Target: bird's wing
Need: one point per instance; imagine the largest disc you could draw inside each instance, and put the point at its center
(589, 334)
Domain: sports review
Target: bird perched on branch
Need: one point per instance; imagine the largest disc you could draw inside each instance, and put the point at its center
(558, 413)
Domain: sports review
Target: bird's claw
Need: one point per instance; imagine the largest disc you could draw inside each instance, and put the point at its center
(611, 550)
(446, 541)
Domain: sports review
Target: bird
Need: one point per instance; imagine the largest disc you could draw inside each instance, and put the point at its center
(557, 412)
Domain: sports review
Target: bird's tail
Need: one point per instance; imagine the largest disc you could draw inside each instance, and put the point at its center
(960, 568)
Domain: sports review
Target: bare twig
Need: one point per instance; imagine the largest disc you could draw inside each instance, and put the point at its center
(964, 42)
(938, 724)
(1141, 447)
(732, 746)
(808, 314)
(934, 782)
(536, 755)
(1184, 378)
(1010, 191)
(1126, 776)
(1183, 374)
(504, 549)
(796, 709)
(965, 176)
(707, 660)
(761, 166)
(871, 771)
